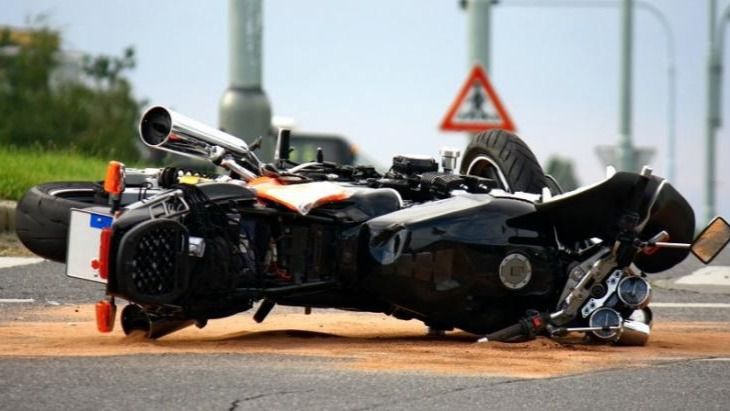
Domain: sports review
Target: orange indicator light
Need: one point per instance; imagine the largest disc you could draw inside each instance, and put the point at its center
(106, 312)
(114, 180)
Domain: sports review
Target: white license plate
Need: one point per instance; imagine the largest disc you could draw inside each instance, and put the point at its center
(84, 237)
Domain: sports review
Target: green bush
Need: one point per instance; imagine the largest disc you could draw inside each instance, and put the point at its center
(94, 112)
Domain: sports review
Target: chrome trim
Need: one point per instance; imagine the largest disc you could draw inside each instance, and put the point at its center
(70, 190)
(643, 315)
(578, 272)
(232, 165)
(196, 246)
(683, 246)
(617, 330)
(568, 308)
(502, 178)
(449, 158)
(520, 195)
(595, 303)
(635, 333)
(504, 273)
(302, 166)
(644, 301)
(589, 329)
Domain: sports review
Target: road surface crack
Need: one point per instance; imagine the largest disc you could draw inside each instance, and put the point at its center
(234, 404)
(441, 393)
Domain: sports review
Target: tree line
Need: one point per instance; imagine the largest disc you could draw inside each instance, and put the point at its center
(91, 109)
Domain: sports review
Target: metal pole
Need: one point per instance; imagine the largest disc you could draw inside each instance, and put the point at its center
(625, 148)
(712, 119)
(479, 32)
(244, 109)
(714, 101)
(671, 65)
(245, 35)
(671, 88)
(671, 126)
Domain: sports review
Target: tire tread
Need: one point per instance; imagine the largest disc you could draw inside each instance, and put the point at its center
(522, 170)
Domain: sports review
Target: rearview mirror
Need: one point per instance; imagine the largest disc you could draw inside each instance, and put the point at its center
(711, 240)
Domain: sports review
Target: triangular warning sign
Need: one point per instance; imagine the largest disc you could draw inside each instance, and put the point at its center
(477, 107)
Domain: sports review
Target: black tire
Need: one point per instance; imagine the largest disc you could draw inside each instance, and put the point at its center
(501, 155)
(42, 215)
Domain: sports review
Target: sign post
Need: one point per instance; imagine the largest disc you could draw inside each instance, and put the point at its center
(477, 107)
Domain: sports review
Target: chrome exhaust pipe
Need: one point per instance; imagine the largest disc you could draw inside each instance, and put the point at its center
(635, 334)
(134, 318)
(167, 130)
(637, 328)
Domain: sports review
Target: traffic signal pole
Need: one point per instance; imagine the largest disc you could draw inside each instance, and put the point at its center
(717, 27)
(479, 36)
(714, 70)
(625, 147)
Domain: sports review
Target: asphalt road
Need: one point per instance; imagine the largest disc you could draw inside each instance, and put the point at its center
(248, 381)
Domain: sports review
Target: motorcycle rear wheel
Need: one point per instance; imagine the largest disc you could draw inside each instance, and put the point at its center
(504, 157)
(42, 215)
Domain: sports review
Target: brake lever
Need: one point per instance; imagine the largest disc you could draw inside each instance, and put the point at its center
(256, 144)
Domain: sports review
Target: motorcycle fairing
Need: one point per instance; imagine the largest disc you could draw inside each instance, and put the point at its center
(441, 261)
(362, 205)
(595, 211)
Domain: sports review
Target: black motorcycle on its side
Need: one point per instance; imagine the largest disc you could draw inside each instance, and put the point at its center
(494, 249)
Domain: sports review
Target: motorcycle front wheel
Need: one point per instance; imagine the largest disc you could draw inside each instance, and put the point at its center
(504, 157)
(42, 215)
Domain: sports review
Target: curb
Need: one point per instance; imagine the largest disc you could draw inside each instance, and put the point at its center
(7, 216)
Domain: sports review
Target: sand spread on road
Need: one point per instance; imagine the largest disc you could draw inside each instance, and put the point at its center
(370, 342)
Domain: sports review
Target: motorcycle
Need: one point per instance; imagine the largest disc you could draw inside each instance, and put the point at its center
(494, 249)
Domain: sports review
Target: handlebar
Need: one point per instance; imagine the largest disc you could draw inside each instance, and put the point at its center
(505, 334)
(526, 328)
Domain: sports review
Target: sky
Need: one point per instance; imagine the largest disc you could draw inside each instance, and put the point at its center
(384, 72)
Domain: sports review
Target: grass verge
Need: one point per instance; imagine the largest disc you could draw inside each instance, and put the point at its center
(22, 168)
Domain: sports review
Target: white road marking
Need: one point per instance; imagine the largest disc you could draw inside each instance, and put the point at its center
(712, 275)
(7, 262)
(690, 305)
(16, 300)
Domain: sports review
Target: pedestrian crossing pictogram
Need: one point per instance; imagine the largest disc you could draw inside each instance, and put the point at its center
(477, 107)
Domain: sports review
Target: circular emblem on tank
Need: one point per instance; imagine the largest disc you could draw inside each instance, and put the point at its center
(515, 271)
